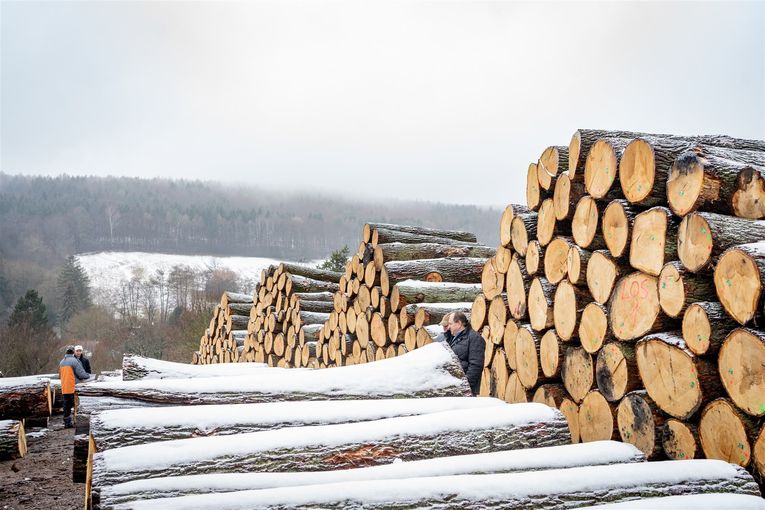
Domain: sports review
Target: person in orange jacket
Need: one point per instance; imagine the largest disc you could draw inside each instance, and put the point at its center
(70, 372)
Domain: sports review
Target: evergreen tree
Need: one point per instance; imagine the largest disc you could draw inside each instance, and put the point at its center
(73, 289)
(336, 261)
(30, 311)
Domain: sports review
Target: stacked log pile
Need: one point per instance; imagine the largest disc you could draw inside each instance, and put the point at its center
(633, 292)
(223, 340)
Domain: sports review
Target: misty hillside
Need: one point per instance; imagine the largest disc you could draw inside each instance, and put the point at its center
(47, 218)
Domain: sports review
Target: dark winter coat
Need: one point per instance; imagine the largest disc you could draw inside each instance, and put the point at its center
(469, 347)
(85, 362)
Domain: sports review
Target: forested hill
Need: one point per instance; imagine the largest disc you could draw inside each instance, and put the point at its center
(47, 218)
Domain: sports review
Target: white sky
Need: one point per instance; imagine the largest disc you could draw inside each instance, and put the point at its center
(444, 101)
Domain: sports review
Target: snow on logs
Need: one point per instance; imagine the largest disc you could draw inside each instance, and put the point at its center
(25, 397)
(136, 367)
(508, 461)
(556, 489)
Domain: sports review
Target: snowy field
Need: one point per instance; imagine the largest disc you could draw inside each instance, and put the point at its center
(107, 270)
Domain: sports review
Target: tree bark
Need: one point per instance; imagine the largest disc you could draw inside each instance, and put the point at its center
(741, 363)
(24, 397)
(640, 423)
(314, 306)
(458, 270)
(414, 251)
(13, 443)
(314, 273)
(413, 291)
(303, 284)
(457, 235)
(738, 279)
(387, 236)
(677, 380)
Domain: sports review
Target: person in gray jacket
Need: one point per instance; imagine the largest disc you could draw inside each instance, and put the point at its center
(70, 372)
(469, 347)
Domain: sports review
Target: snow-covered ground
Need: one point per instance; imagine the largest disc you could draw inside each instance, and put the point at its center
(107, 270)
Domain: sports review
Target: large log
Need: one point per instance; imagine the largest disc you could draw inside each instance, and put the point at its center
(458, 270)
(24, 397)
(387, 236)
(432, 371)
(634, 309)
(702, 237)
(640, 423)
(725, 433)
(340, 446)
(551, 355)
(410, 292)
(705, 326)
(738, 278)
(741, 363)
(13, 443)
(128, 427)
(315, 273)
(654, 240)
(409, 251)
(677, 380)
(603, 271)
(457, 235)
(679, 288)
(135, 367)
(602, 164)
(551, 457)
(540, 305)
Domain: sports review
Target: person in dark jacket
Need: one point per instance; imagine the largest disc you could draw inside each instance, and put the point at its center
(85, 362)
(469, 347)
(70, 372)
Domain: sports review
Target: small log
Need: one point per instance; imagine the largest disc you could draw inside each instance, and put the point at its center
(680, 440)
(702, 237)
(601, 166)
(705, 326)
(654, 240)
(535, 253)
(554, 160)
(324, 275)
(498, 373)
(576, 265)
(616, 371)
(679, 288)
(540, 303)
(566, 196)
(508, 343)
(725, 433)
(640, 423)
(556, 259)
(522, 230)
(596, 418)
(478, 313)
(528, 367)
(24, 397)
(410, 292)
(570, 410)
(506, 222)
(534, 193)
(741, 363)
(517, 282)
(550, 355)
(634, 309)
(458, 270)
(13, 443)
(457, 235)
(515, 392)
(618, 218)
(303, 284)
(738, 280)
(547, 226)
(593, 327)
(749, 197)
(677, 380)
(584, 225)
(569, 302)
(603, 271)
(578, 373)
(497, 318)
(413, 251)
(492, 279)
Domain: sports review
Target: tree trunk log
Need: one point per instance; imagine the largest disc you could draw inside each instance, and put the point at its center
(570, 410)
(556, 259)
(702, 237)
(576, 265)
(597, 418)
(535, 254)
(603, 271)
(705, 326)
(457, 235)
(555, 457)
(413, 291)
(517, 282)
(408, 251)
(534, 193)
(569, 302)
(640, 423)
(749, 197)
(584, 225)
(492, 279)
(551, 355)
(13, 443)
(601, 166)
(310, 272)
(654, 240)
(680, 440)
(523, 230)
(741, 363)
(528, 367)
(509, 338)
(515, 393)
(738, 279)
(618, 218)
(593, 327)
(303, 284)
(315, 306)
(136, 367)
(24, 397)
(541, 297)
(506, 223)
(551, 395)
(425, 314)
(387, 236)
(677, 380)
(578, 373)
(616, 371)
(547, 226)
(458, 270)
(726, 433)
(634, 309)
(343, 446)
(679, 288)
(554, 160)
(478, 313)
(566, 196)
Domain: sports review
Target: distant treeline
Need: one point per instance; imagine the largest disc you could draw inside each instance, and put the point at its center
(45, 219)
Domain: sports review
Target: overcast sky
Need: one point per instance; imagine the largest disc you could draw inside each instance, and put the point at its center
(444, 101)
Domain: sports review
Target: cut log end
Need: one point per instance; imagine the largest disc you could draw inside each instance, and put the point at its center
(596, 418)
(741, 363)
(679, 440)
(685, 183)
(697, 329)
(616, 228)
(616, 371)
(737, 282)
(584, 225)
(640, 424)
(637, 170)
(671, 290)
(578, 372)
(600, 168)
(694, 242)
(634, 306)
(593, 327)
(649, 244)
(571, 412)
(723, 434)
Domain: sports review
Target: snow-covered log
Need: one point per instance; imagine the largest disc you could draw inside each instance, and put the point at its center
(431, 371)
(341, 446)
(136, 367)
(536, 459)
(713, 501)
(552, 489)
(127, 427)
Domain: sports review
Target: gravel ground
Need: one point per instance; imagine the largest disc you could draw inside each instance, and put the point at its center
(43, 479)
